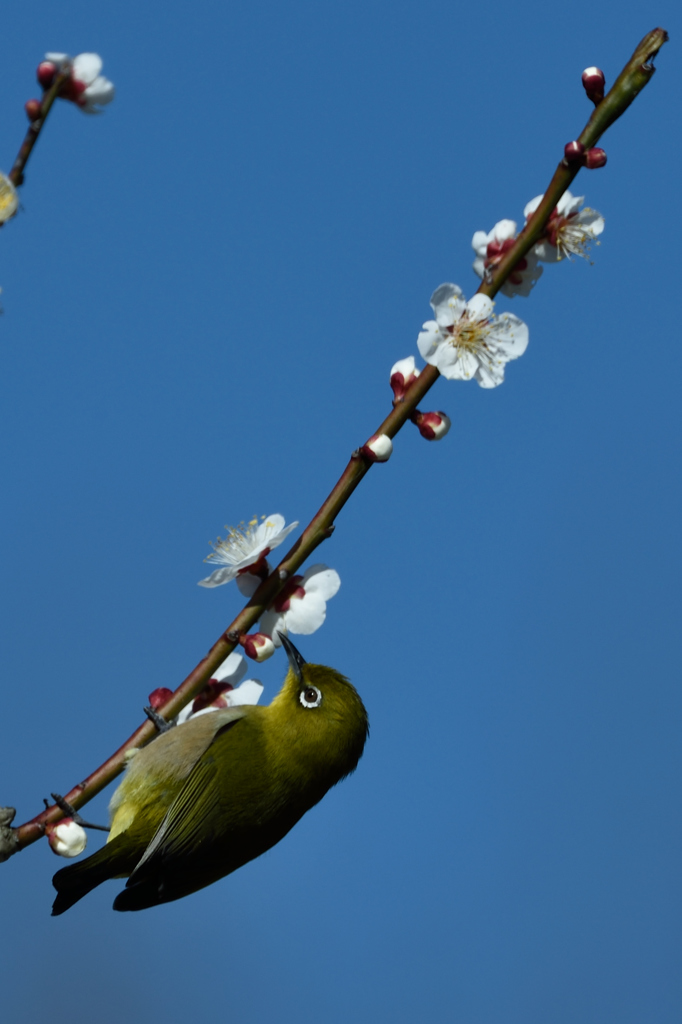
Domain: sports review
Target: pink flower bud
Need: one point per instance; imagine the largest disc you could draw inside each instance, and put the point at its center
(595, 158)
(378, 448)
(574, 152)
(45, 73)
(257, 646)
(32, 108)
(158, 697)
(66, 838)
(432, 425)
(403, 373)
(594, 82)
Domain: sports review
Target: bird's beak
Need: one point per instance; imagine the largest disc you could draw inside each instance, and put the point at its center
(295, 659)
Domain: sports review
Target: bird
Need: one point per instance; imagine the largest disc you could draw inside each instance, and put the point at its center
(205, 797)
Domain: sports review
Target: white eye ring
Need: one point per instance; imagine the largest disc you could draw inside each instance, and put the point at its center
(310, 697)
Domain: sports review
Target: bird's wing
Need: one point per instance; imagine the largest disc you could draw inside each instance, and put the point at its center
(198, 804)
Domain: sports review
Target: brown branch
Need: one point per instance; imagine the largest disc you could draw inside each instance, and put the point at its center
(16, 175)
(632, 79)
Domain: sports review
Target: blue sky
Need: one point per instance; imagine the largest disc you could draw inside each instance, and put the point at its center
(203, 296)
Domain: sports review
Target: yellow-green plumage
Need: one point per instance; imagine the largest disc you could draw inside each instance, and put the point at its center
(206, 797)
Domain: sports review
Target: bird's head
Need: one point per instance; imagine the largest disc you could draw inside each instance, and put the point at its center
(323, 710)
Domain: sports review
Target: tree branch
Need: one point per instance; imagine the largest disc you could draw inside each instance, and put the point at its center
(635, 75)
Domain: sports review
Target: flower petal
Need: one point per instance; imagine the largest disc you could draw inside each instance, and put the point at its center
(509, 336)
(428, 340)
(274, 531)
(479, 243)
(60, 59)
(86, 67)
(490, 376)
(591, 220)
(101, 91)
(247, 583)
(220, 576)
(547, 252)
(248, 693)
(447, 303)
(232, 669)
(503, 230)
(532, 206)
(272, 623)
(320, 579)
(305, 615)
(463, 368)
(479, 307)
(478, 266)
(569, 204)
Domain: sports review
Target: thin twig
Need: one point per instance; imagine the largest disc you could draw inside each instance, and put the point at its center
(630, 82)
(16, 175)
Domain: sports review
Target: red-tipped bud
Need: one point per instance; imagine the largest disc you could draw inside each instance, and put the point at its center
(403, 373)
(66, 838)
(378, 448)
(595, 158)
(45, 73)
(33, 109)
(574, 152)
(158, 697)
(257, 646)
(594, 82)
(431, 425)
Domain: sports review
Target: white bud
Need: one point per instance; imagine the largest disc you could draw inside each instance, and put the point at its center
(67, 839)
(378, 448)
(258, 646)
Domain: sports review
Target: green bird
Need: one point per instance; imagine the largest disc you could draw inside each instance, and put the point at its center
(207, 796)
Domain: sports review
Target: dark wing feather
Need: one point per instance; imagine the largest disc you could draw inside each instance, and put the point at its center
(191, 847)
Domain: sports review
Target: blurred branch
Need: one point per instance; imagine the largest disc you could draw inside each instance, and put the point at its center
(630, 82)
(16, 175)
(632, 79)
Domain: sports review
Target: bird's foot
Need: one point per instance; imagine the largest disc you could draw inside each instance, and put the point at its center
(159, 723)
(71, 812)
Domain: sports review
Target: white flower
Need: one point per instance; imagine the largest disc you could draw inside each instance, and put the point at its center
(86, 87)
(244, 546)
(466, 340)
(301, 607)
(67, 838)
(490, 249)
(9, 198)
(223, 689)
(569, 231)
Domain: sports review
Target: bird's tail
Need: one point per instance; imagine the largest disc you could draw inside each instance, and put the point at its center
(76, 881)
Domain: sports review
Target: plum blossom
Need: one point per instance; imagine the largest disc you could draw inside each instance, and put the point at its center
(224, 689)
(245, 546)
(9, 198)
(67, 838)
(569, 231)
(466, 340)
(490, 248)
(301, 607)
(85, 86)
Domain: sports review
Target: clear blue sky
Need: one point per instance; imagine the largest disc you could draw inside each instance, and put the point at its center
(203, 296)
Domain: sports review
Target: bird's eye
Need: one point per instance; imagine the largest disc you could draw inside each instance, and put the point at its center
(310, 697)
